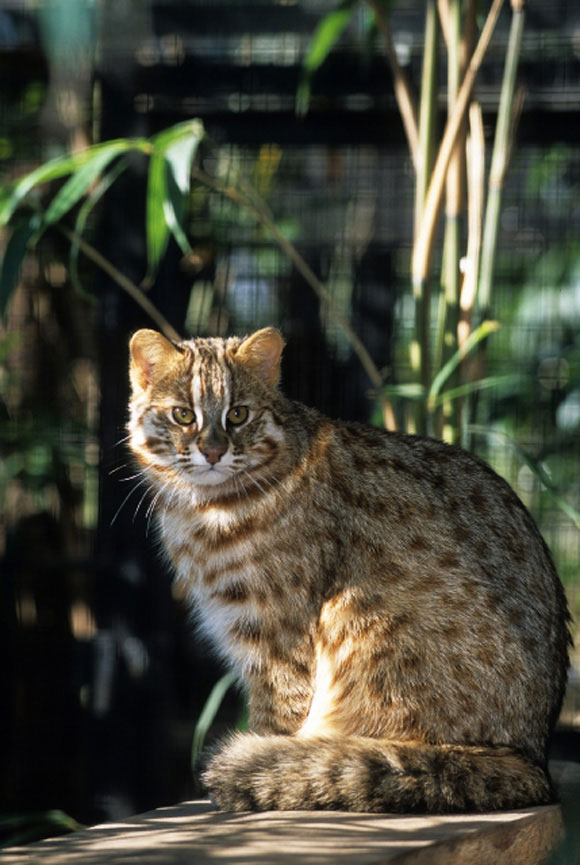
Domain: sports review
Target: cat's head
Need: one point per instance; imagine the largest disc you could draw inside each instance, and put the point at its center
(201, 410)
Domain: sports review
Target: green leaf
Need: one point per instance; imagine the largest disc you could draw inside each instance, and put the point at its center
(84, 212)
(11, 196)
(484, 330)
(208, 713)
(410, 390)
(188, 129)
(173, 209)
(513, 382)
(325, 37)
(537, 468)
(180, 155)
(157, 228)
(16, 249)
(169, 173)
(24, 828)
(82, 178)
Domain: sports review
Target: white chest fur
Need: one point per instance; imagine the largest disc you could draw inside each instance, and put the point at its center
(217, 563)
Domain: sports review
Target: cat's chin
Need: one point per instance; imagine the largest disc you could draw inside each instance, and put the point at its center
(211, 477)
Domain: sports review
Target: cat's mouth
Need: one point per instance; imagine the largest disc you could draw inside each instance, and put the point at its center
(210, 475)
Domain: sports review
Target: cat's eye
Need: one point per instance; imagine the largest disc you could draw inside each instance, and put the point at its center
(183, 416)
(237, 415)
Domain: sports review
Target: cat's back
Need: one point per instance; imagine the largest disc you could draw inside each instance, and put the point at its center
(469, 596)
(436, 512)
(436, 493)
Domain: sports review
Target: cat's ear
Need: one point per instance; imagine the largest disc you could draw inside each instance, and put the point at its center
(261, 353)
(150, 352)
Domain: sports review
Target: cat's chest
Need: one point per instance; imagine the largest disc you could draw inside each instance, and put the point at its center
(223, 562)
(202, 543)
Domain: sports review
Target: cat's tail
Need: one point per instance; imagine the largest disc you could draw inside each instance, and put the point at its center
(262, 773)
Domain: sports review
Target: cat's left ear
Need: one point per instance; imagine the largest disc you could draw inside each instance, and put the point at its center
(150, 353)
(261, 352)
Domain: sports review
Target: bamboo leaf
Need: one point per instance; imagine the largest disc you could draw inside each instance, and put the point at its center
(325, 37)
(157, 228)
(11, 196)
(538, 469)
(84, 212)
(484, 330)
(170, 166)
(82, 179)
(180, 154)
(493, 381)
(173, 209)
(16, 249)
(24, 828)
(410, 390)
(209, 712)
(188, 129)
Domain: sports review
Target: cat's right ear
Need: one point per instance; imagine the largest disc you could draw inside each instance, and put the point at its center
(261, 352)
(150, 351)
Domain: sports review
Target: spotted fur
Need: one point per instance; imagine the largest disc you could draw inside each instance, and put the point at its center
(386, 601)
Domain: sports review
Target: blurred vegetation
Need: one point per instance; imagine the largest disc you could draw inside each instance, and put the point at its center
(487, 343)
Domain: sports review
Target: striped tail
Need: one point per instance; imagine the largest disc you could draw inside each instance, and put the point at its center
(289, 773)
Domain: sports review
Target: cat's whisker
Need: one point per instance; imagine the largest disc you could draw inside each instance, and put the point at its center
(126, 499)
(122, 441)
(118, 469)
(141, 474)
(150, 511)
(257, 484)
(153, 503)
(240, 488)
(141, 500)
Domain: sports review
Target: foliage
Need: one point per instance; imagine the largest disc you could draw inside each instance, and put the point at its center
(325, 37)
(436, 171)
(449, 371)
(16, 829)
(171, 153)
(208, 714)
(455, 385)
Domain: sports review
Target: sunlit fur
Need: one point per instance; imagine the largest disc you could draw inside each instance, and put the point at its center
(385, 600)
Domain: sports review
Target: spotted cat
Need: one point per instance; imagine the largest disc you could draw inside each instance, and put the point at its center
(385, 600)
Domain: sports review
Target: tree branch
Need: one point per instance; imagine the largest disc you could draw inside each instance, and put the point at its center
(122, 281)
(301, 266)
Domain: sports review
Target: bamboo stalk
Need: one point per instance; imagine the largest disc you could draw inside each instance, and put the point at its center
(475, 182)
(420, 345)
(500, 157)
(443, 7)
(401, 86)
(454, 205)
(454, 189)
(427, 109)
(423, 246)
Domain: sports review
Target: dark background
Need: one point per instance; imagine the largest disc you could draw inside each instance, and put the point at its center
(103, 680)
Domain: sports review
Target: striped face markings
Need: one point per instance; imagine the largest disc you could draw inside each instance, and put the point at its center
(202, 422)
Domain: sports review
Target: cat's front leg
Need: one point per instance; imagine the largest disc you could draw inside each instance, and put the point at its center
(279, 697)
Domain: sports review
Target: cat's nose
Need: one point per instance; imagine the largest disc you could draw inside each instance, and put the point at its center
(213, 454)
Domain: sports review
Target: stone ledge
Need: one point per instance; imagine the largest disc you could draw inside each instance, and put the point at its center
(196, 832)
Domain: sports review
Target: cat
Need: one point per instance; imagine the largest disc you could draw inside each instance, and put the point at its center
(386, 600)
